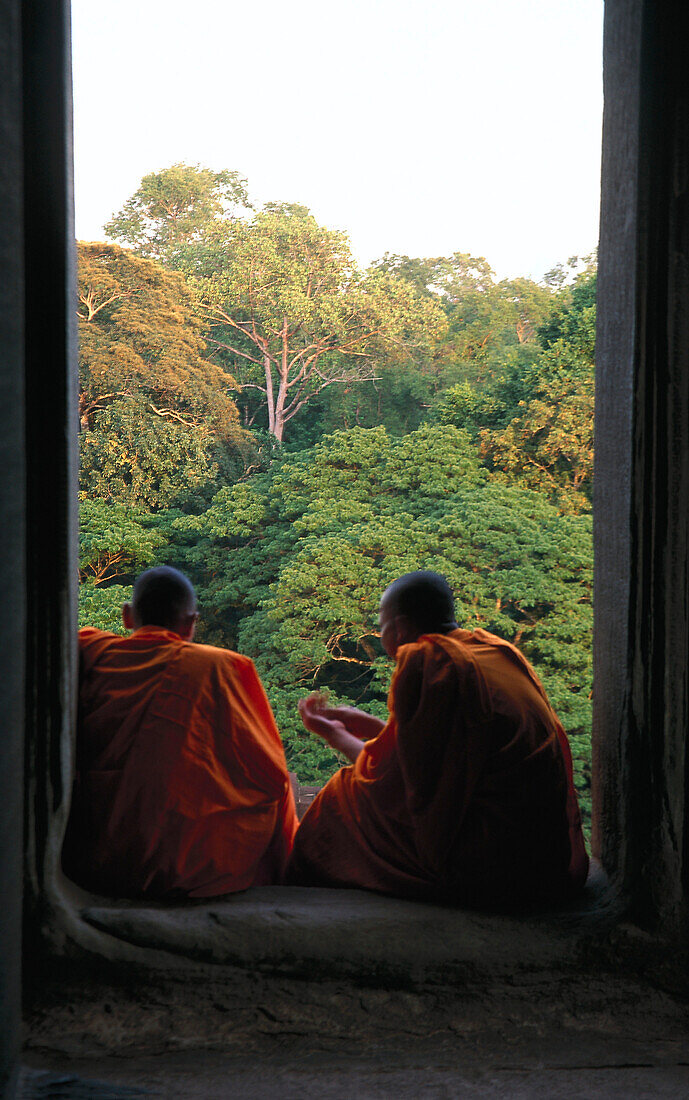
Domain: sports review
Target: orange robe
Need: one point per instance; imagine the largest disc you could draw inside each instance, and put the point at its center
(181, 785)
(465, 796)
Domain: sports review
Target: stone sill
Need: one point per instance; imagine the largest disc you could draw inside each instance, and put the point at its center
(321, 934)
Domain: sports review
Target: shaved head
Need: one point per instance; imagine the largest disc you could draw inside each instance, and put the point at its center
(163, 597)
(425, 599)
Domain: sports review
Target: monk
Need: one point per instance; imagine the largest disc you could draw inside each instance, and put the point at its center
(181, 785)
(465, 794)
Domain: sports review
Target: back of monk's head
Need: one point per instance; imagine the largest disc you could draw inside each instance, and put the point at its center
(163, 597)
(425, 599)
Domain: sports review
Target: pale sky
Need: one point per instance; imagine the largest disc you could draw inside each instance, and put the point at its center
(421, 127)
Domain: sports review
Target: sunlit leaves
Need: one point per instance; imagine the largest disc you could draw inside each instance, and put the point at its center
(291, 313)
(129, 456)
(176, 206)
(114, 541)
(140, 339)
(102, 607)
(159, 426)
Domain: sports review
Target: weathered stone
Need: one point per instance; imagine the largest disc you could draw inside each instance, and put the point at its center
(319, 933)
(641, 497)
(12, 543)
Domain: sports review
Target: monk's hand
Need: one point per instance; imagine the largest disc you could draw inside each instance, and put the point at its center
(317, 719)
(356, 721)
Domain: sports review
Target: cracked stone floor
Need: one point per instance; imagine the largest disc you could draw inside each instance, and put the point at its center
(556, 1065)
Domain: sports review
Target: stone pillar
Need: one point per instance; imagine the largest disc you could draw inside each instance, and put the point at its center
(37, 477)
(12, 475)
(641, 502)
(51, 448)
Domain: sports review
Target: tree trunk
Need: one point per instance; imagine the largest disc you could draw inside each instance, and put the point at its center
(279, 420)
(270, 399)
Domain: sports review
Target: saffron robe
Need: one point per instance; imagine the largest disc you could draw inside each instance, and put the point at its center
(465, 796)
(181, 785)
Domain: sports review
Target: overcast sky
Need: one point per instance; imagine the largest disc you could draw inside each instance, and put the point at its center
(423, 127)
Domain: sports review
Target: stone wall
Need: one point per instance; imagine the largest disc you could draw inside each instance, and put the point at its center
(11, 533)
(641, 501)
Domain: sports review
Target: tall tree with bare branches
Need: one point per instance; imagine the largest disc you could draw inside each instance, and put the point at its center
(291, 314)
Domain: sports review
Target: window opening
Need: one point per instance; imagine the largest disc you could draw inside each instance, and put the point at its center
(292, 417)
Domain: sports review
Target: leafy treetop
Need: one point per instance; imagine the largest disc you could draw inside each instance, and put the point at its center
(177, 206)
(288, 308)
(139, 338)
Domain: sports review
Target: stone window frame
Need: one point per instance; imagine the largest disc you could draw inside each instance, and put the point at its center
(641, 540)
(641, 473)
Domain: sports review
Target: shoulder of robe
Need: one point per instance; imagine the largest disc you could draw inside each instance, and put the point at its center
(510, 651)
(487, 637)
(91, 638)
(213, 656)
(433, 652)
(512, 656)
(216, 653)
(92, 644)
(441, 660)
(92, 633)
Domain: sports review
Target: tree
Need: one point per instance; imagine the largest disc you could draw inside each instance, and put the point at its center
(548, 441)
(486, 318)
(154, 411)
(534, 420)
(576, 268)
(549, 445)
(527, 306)
(445, 277)
(114, 542)
(140, 337)
(293, 316)
(470, 407)
(175, 207)
(132, 458)
(572, 320)
(102, 607)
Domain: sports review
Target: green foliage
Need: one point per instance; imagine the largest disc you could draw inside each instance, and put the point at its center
(159, 425)
(400, 398)
(102, 607)
(465, 406)
(291, 314)
(548, 443)
(114, 541)
(174, 207)
(445, 277)
(572, 322)
(487, 320)
(293, 562)
(130, 457)
(117, 542)
(534, 419)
